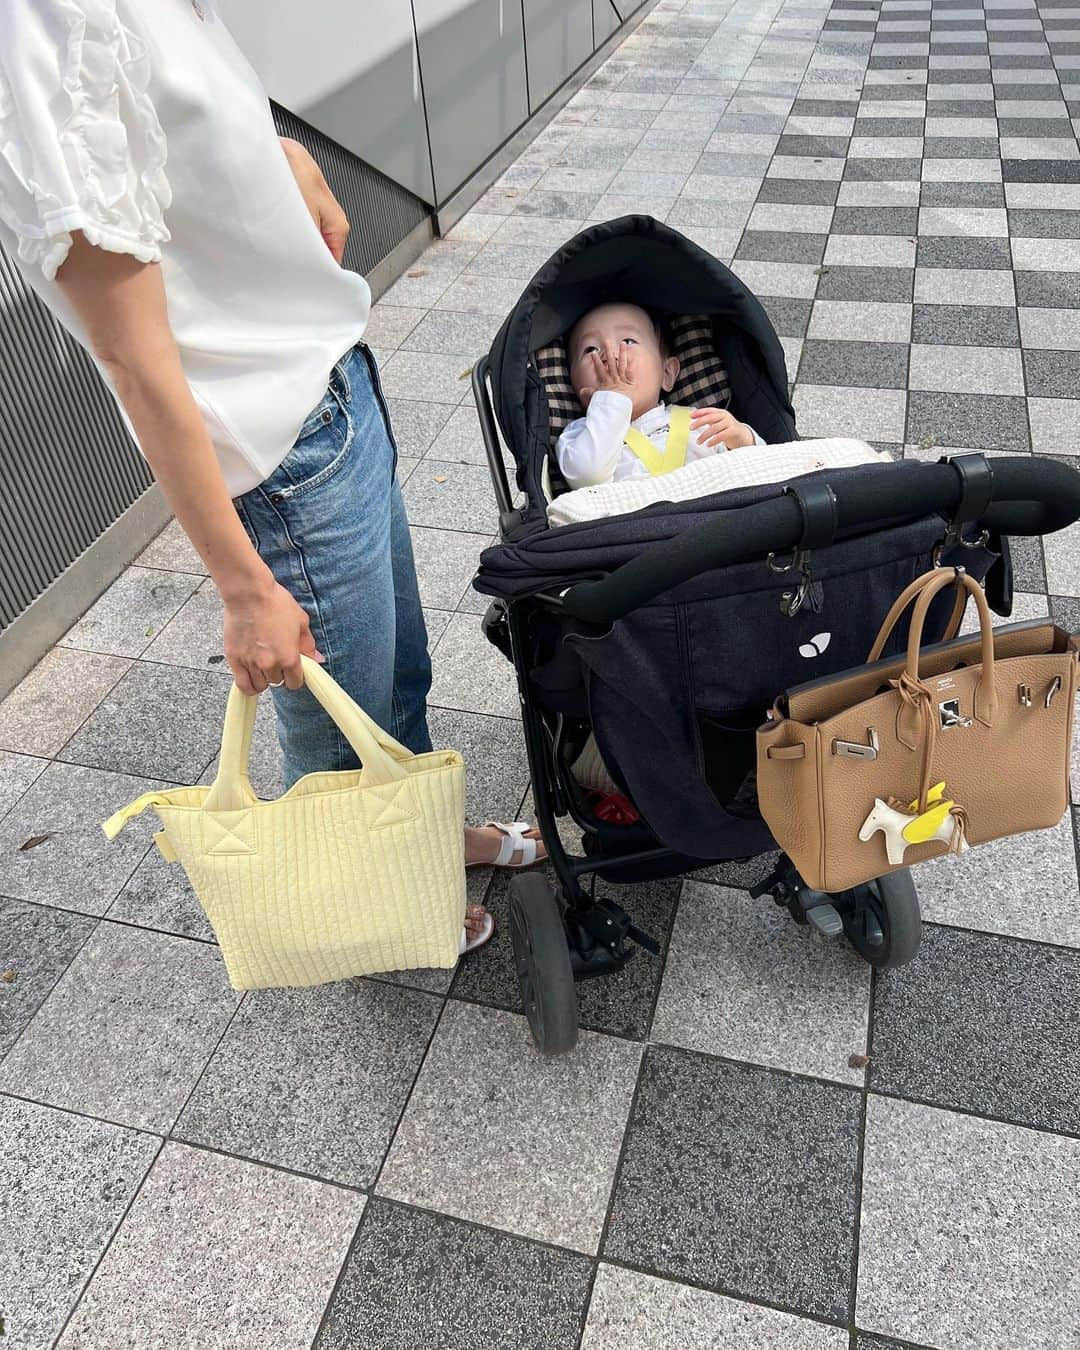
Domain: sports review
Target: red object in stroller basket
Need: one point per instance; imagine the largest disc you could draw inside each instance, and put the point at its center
(680, 623)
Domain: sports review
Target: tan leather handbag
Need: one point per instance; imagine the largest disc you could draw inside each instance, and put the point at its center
(901, 760)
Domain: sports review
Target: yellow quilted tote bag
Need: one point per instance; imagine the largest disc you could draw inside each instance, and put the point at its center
(348, 873)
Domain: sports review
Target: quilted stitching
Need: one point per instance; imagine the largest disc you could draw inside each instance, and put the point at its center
(230, 832)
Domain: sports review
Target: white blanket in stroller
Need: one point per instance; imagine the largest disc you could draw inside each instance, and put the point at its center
(744, 467)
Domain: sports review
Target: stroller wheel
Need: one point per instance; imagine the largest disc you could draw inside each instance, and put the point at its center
(882, 920)
(542, 958)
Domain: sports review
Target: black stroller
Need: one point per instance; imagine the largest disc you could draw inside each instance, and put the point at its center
(664, 635)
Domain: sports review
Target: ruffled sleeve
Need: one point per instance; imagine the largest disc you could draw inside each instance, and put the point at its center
(81, 147)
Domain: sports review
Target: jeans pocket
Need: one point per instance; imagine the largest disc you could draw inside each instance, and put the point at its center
(319, 452)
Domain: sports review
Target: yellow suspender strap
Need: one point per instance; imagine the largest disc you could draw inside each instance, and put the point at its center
(673, 455)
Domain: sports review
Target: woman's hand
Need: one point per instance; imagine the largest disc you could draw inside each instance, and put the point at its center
(320, 201)
(716, 426)
(265, 633)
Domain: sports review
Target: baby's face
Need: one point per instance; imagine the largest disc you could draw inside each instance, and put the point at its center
(605, 330)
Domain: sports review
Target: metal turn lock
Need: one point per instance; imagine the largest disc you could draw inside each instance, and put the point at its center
(856, 749)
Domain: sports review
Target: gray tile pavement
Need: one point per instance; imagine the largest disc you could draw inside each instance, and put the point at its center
(388, 1162)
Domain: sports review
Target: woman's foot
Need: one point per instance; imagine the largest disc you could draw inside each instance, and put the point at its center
(487, 845)
(479, 927)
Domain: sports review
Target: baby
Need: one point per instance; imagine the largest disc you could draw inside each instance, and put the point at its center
(620, 363)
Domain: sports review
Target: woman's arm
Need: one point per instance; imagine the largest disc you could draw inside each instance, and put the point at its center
(122, 304)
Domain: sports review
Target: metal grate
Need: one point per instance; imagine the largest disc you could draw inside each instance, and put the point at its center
(67, 465)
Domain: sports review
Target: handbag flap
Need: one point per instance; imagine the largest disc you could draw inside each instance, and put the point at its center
(822, 698)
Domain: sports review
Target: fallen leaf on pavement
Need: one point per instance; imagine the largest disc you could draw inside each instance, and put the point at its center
(33, 841)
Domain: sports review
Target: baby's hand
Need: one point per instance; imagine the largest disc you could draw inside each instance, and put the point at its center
(613, 369)
(716, 426)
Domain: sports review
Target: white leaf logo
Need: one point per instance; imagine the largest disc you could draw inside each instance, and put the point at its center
(815, 646)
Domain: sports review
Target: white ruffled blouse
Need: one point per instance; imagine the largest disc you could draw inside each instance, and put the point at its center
(141, 123)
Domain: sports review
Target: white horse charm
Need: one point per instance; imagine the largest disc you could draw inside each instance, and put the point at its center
(941, 820)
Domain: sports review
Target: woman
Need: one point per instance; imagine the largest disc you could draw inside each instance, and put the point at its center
(147, 199)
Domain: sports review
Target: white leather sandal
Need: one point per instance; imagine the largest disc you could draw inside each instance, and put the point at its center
(514, 841)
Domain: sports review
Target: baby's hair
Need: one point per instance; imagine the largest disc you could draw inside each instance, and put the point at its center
(665, 334)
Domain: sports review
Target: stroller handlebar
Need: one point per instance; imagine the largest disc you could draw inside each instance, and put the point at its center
(1024, 495)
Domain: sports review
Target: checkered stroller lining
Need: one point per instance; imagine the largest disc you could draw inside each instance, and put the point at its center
(701, 377)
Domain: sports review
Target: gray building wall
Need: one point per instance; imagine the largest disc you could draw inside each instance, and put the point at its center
(411, 108)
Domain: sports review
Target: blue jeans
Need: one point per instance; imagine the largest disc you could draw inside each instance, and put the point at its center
(330, 524)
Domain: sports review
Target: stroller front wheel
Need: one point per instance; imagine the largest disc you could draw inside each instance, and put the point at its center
(882, 920)
(542, 960)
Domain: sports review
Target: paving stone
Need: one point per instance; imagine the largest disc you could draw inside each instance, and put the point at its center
(716, 1188)
(74, 1178)
(349, 1053)
(853, 320)
(742, 981)
(470, 674)
(158, 1003)
(250, 1260)
(966, 370)
(965, 325)
(1049, 290)
(874, 365)
(453, 1285)
(977, 421)
(1053, 424)
(172, 551)
(833, 410)
(777, 246)
(565, 1117)
(50, 703)
(874, 220)
(37, 945)
(131, 611)
(17, 772)
(631, 1308)
(1052, 374)
(789, 317)
(962, 194)
(450, 496)
(961, 1240)
(982, 1023)
(959, 286)
(955, 252)
(74, 867)
(888, 285)
(127, 731)
(1063, 561)
(416, 424)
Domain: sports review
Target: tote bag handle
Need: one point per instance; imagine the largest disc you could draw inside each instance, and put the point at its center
(382, 757)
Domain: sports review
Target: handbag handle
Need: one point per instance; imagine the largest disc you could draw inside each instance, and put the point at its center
(933, 583)
(901, 603)
(916, 698)
(381, 756)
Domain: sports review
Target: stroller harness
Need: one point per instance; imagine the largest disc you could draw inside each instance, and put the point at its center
(673, 455)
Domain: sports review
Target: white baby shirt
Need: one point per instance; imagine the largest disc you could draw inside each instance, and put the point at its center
(142, 123)
(592, 450)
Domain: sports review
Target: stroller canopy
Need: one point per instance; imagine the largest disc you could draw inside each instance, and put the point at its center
(637, 260)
